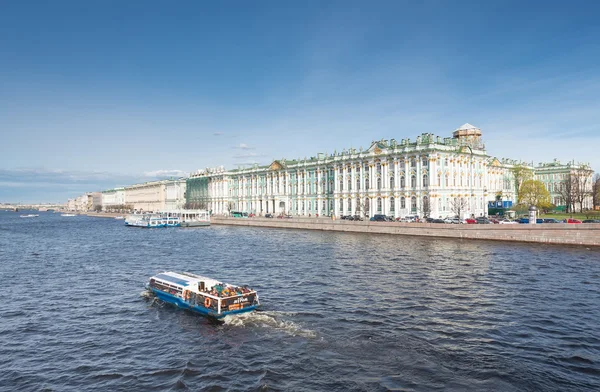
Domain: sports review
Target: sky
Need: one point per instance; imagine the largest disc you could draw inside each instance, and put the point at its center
(95, 95)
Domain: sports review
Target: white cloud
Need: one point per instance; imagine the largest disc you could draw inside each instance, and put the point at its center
(165, 173)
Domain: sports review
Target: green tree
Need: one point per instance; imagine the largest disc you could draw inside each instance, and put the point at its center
(521, 173)
(533, 192)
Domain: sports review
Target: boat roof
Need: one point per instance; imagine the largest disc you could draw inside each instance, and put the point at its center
(185, 279)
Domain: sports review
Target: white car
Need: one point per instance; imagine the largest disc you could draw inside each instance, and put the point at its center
(508, 222)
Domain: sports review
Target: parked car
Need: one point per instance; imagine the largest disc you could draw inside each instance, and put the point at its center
(482, 220)
(523, 220)
(551, 220)
(251, 215)
(379, 218)
(539, 221)
(591, 221)
(268, 215)
(507, 222)
(471, 221)
(357, 218)
(437, 220)
(575, 221)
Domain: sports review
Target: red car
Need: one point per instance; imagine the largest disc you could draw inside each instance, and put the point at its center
(470, 221)
(573, 220)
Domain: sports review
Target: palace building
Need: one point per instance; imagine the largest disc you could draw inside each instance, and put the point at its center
(431, 176)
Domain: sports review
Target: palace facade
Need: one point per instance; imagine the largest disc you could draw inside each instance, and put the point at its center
(431, 176)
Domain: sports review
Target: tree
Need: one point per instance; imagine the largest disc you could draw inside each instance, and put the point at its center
(426, 208)
(565, 190)
(582, 178)
(458, 206)
(521, 173)
(534, 193)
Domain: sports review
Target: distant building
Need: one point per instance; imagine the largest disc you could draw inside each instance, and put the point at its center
(113, 199)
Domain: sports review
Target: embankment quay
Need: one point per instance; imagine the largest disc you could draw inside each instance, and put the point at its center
(558, 233)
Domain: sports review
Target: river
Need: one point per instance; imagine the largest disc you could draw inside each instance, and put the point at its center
(340, 311)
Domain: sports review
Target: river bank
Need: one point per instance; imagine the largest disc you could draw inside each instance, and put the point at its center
(558, 233)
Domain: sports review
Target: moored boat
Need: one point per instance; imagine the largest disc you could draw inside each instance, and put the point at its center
(203, 295)
(152, 220)
(190, 218)
(119, 217)
(68, 215)
(29, 216)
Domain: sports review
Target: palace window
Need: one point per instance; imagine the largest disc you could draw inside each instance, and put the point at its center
(392, 204)
(302, 206)
(402, 182)
(391, 182)
(378, 182)
(324, 206)
(367, 205)
(413, 181)
(349, 205)
(379, 204)
(425, 180)
(413, 204)
(402, 202)
(367, 182)
(349, 184)
(378, 168)
(357, 183)
(425, 162)
(341, 185)
(341, 205)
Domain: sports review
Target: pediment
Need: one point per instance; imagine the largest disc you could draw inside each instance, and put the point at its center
(276, 165)
(377, 147)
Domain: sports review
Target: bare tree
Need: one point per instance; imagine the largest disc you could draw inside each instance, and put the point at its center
(566, 192)
(458, 206)
(582, 178)
(426, 207)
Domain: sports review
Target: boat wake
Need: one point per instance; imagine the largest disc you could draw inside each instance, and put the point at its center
(269, 319)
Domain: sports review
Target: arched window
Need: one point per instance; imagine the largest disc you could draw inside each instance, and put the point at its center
(402, 203)
(349, 205)
(426, 207)
(392, 204)
(402, 182)
(341, 185)
(413, 162)
(379, 204)
(367, 182)
(367, 205)
(439, 183)
(391, 182)
(302, 206)
(413, 181)
(425, 162)
(378, 168)
(378, 182)
(425, 180)
(357, 183)
(341, 205)
(349, 184)
(413, 204)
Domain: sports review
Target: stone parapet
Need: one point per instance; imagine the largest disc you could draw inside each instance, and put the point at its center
(551, 233)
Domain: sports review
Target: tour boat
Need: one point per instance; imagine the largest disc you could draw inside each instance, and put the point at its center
(29, 216)
(152, 220)
(190, 218)
(203, 295)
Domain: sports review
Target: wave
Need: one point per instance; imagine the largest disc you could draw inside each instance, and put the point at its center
(271, 320)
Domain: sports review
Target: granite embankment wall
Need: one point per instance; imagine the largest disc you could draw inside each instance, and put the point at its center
(549, 233)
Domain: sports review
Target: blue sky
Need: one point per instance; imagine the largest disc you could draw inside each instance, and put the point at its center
(101, 94)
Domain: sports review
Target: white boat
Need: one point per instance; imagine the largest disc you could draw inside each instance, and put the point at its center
(119, 217)
(29, 216)
(68, 215)
(203, 295)
(190, 218)
(152, 220)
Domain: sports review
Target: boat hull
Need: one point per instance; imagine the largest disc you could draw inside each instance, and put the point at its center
(172, 299)
(194, 224)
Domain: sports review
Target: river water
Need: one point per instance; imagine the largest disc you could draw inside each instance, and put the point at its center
(341, 311)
